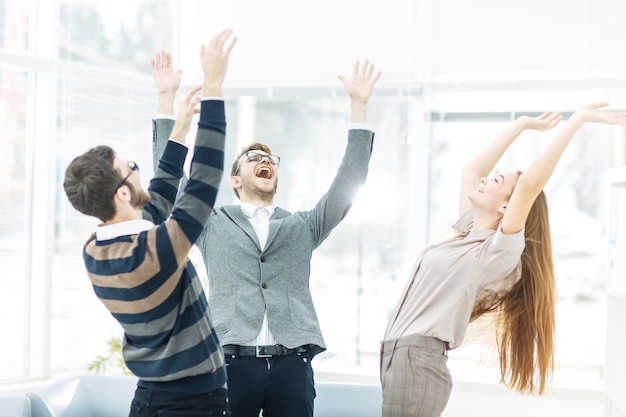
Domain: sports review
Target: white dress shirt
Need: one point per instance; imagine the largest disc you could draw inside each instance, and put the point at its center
(260, 220)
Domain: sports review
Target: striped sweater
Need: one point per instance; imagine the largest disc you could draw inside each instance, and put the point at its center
(146, 281)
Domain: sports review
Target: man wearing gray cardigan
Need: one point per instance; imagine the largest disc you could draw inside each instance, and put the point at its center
(258, 258)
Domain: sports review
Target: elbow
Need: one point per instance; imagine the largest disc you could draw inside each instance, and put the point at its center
(470, 172)
(529, 184)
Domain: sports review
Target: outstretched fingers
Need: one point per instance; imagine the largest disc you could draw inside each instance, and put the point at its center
(370, 70)
(595, 113)
(166, 79)
(230, 45)
(191, 93)
(218, 44)
(616, 118)
(214, 61)
(188, 107)
(365, 70)
(363, 80)
(167, 59)
(162, 59)
(377, 76)
(220, 39)
(554, 118)
(193, 104)
(357, 66)
(364, 67)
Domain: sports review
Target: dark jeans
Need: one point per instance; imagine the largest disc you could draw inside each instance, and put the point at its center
(280, 385)
(153, 403)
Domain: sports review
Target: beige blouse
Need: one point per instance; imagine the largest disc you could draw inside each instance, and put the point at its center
(449, 276)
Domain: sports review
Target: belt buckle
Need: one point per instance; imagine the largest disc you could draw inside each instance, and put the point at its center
(261, 355)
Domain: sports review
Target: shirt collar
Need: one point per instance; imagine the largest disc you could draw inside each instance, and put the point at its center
(130, 227)
(250, 209)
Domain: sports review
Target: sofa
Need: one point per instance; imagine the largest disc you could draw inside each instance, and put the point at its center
(84, 396)
(110, 396)
(15, 406)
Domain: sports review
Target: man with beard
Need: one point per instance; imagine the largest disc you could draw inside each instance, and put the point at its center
(138, 261)
(258, 260)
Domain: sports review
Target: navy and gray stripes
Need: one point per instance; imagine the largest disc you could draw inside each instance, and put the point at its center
(147, 281)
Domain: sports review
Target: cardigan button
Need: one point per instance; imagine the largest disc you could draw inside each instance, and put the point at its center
(262, 258)
(264, 285)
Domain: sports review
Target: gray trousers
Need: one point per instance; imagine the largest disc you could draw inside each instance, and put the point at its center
(414, 377)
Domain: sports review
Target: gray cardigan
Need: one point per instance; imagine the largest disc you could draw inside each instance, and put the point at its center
(245, 280)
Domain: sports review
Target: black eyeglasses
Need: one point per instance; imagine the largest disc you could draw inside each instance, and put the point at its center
(252, 156)
(133, 168)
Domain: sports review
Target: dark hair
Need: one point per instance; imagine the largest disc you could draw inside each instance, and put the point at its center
(256, 146)
(89, 182)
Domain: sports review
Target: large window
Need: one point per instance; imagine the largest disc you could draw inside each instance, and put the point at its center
(14, 21)
(60, 95)
(90, 114)
(14, 222)
(75, 73)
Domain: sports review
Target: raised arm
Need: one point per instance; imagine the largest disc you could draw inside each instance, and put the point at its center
(532, 181)
(214, 62)
(166, 80)
(193, 208)
(352, 173)
(482, 165)
(360, 88)
(187, 108)
(163, 197)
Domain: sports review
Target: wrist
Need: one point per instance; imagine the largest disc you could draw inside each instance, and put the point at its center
(212, 90)
(358, 115)
(520, 125)
(165, 103)
(358, 103)
(522, 122)
(579, 117)
(167, 95)
(178, 134)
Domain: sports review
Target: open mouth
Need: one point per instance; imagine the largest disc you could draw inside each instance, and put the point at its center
(264, 172)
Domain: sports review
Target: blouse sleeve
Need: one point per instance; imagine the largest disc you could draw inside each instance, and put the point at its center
(464, 224)
(502, 260)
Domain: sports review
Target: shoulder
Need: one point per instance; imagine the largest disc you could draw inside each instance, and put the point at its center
(464, 223)
(281, 213)
(510, 241)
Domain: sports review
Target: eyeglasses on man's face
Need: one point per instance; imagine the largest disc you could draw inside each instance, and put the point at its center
(133, 168)
(252, 156)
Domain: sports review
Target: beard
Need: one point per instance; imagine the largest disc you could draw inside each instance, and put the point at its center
(267, 194)
(138, 198)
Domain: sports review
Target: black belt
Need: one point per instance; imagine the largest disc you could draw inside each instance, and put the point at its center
(262, 351)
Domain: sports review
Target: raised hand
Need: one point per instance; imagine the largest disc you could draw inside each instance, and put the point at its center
(214, 61)
(187, 108)
(545, 121)
(167, 81)
(165, 78)
(360, 87)
(594, 113)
